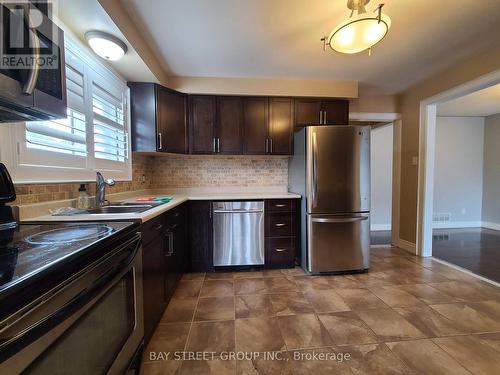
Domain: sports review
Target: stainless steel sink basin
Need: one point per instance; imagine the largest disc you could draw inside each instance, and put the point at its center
(115, 208)
(121, 209)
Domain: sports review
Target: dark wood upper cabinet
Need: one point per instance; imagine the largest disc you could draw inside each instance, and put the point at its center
(164, 120)
(312, 111)
(281, 116)
(172, 127)
(307, 112)
(255, 125)
(229, 129)
(202, 117)
(158, 118)
(335, 112)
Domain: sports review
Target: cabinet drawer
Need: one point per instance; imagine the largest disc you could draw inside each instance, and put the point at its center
(279, 224)
(152, 229)
(280, 252)
(174, 217)
(280, 205)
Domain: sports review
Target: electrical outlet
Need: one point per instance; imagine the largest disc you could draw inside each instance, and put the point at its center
(464, 211)
(414, 160)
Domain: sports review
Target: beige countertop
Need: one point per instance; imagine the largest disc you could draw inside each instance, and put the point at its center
(41, 212)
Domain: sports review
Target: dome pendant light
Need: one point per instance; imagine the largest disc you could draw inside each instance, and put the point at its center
(360, 32)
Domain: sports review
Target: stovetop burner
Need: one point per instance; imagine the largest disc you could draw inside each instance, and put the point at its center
(30, 249)
(70, 234)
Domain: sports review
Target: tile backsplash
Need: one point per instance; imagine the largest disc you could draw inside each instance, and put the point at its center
(216, 170)
(175, 171)
(37, 193)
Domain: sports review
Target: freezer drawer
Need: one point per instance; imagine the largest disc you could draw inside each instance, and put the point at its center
(238, 229)
(338, 243)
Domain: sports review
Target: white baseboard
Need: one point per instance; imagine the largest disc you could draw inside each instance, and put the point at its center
(456, 224)
(377, 227)
(406, 245)
(466, 224)
(490, 225)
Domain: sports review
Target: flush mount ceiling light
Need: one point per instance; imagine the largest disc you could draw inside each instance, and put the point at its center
(106, 45)
(359, 32)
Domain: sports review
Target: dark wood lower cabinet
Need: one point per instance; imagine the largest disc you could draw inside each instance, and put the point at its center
(153, 292)
(282, 226)
(164, 259)
(200, 236)
(280, 252)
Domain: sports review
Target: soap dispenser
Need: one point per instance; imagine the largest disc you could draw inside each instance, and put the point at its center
(83, 201)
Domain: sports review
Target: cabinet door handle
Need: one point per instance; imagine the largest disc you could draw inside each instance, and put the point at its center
(214, 149)
(279, 205)
(170, 239)
(267, 145)
(271, 142)
(279, 224)
(280, 249)
(326, 121)
(218, 145)
(320, 117)
(157, 227)
(160, 144)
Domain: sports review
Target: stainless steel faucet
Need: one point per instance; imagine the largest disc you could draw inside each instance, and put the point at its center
(100, 192)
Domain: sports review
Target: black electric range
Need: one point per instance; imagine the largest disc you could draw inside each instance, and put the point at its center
(35, 257)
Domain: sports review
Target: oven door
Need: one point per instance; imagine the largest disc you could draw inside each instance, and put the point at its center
(91, 326)
(31, 92)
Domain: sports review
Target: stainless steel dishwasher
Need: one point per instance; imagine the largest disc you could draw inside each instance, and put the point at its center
(238, 233)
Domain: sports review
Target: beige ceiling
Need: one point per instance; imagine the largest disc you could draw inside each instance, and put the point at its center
(81, 16)
(280, 39)
(484, 102)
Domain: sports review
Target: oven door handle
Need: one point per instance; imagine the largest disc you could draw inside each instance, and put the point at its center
(45, 324)
(30, 84)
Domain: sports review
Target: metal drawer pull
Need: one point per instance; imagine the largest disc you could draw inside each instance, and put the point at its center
(280, 205)
(157, 227)
(280, 224)
(280, 249)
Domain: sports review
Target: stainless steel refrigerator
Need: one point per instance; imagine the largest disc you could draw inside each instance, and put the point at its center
(331, 170)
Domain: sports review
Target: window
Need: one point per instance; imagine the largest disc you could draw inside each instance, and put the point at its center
(93, 137)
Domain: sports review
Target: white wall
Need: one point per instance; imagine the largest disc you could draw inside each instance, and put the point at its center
(491, 172)
(458, 171)
(381, 177)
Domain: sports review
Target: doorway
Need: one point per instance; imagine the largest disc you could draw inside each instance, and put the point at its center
(459, 177)
(381, 162)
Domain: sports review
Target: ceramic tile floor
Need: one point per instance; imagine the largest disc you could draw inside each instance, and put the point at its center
(407, 316)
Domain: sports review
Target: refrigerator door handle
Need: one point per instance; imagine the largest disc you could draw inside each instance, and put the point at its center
(315, 170)
(339, 220)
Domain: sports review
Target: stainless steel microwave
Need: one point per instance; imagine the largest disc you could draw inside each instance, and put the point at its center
(32, 66)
